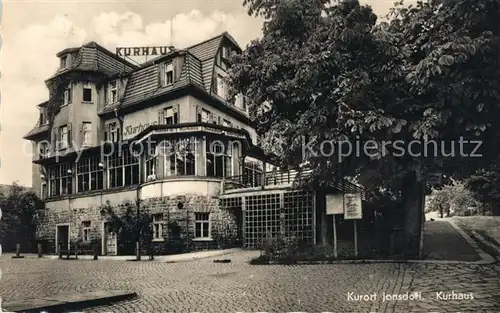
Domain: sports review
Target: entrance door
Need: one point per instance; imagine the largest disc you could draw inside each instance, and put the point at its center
(109, 240)
(62, 237)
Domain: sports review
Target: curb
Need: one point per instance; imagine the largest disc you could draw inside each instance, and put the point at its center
(54, 304)
(486, 258)
(485, 242)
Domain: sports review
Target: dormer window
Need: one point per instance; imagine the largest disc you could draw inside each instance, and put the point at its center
(240, 102)
(68, 95)
(64, 62)
(113, 92)
(42, 118)
(221, 86)
(168, 74)
(226, 52)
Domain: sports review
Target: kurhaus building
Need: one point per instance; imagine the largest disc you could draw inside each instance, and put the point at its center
(175, 143)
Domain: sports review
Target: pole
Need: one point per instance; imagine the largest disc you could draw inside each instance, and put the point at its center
(138, 230)
(355, 239)
(334, 236)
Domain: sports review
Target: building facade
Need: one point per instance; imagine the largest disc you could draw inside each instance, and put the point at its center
(164, 136)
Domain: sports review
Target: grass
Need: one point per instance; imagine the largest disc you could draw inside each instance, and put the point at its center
(489, 226)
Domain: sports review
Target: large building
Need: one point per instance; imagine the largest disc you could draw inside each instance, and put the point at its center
(163, 134)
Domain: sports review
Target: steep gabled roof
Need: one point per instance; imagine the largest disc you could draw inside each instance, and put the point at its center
(197, 69)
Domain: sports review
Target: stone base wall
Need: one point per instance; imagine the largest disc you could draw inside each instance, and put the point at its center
(223, 226)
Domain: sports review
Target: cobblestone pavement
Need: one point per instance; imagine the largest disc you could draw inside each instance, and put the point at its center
(204, 286)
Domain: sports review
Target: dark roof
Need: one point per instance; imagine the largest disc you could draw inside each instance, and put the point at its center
(94, 57)
(142, 81)
(197, 69)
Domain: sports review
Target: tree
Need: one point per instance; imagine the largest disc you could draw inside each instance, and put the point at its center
(331, 74)
(455, 196)
(128, 225)
(484, 185)
(18, 224)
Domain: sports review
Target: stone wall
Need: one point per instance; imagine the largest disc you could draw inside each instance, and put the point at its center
(222, 222)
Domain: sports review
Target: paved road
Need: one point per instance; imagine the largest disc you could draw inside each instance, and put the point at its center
(204, 286)
(443, 242)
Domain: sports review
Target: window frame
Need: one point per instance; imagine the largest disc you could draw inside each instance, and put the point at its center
(173, 156)
(88, 173)
(168, 68)
(67, 95)
(174, 116)
(112, 87)
(63, 144)
(87, 86)
(86, 231)
(158, 222)
(60, 182)
(85, 132)
(118, 165)
(205, 224)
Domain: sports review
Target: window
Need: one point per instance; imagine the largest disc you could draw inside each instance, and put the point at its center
(202, 225)
(158, 226)
(68, 95)
(64, 62)
(113, 133)
(87, 93)
(43, 190)
(60, 179)
(112, 92)
(252, 173)
(170, 117)
(226, 123)
(218, 159)
(63, 137)
(42, 118)
(89, 176)
(86, 231)
(221, 86)
(123, 168)
(86, 133)
(226, 52)
(240, 102)
(168, 74)
(204, 116)
(44, 150)
(150, 163)
(179, 157)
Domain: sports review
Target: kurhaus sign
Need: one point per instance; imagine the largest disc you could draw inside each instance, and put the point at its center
(143, 51)
(131, 130)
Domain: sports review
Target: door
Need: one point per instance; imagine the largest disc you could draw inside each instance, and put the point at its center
(110, 240)
(62, 237)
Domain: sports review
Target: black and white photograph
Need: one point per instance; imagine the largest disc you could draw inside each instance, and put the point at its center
(250, 156)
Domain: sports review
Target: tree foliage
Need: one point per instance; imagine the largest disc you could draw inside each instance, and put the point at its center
(130, 224)
(19, 217)
(484, 185)
(331, 73)
(455, 196)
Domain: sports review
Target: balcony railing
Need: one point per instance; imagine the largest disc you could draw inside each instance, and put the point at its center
(283, 178)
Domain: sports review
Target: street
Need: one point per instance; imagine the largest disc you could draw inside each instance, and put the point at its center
(205, 286)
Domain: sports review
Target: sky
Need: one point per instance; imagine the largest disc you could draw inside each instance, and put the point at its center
(33, 32)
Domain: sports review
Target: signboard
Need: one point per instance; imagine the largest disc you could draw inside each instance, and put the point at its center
(131, 130)
(352, 206)
(434, 178)
(143, 51)
(334, 204)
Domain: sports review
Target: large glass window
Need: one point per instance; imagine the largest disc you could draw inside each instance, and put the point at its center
(180, 157)
(123, 168)
(219, 159)
(252, 173)
(151, 160)
(60, 179)
(89, 176)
